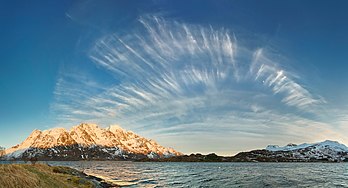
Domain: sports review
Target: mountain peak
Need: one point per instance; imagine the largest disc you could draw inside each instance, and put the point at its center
(329, 142)
(114, 128)
(87, 126)
(35, 133)
(55, 132)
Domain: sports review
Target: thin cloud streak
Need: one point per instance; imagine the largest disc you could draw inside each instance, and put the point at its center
(280, 81)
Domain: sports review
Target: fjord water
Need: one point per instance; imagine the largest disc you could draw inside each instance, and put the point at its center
(180, 174)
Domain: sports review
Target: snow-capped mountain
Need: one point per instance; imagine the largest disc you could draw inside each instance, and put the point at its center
(87, 141)
(327, 144)
(326, 150)
(331, 151)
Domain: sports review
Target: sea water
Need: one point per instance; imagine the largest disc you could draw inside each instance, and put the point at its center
(183, 174)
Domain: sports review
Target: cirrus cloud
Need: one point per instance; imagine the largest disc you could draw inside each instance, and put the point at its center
(171, 78)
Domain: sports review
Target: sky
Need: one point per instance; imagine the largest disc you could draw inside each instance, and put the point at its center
(198, 76)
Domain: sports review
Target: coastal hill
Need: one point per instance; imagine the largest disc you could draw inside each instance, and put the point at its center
(330, 151)
(326, 151)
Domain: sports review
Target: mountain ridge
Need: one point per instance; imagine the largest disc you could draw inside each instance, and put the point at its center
(326, 151)
(111, 143)
(90, 142)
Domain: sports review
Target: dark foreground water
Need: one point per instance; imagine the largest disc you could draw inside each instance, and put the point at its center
(142, 174)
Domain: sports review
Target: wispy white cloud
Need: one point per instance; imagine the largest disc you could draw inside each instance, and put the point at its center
(280, 81)
(176, 79)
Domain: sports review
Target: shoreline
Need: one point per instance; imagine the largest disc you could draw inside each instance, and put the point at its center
(43, 175)
(45, 162)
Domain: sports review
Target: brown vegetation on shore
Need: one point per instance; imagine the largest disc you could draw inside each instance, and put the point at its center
(39, 175)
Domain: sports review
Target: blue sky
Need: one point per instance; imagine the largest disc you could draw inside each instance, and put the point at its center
(199, 76)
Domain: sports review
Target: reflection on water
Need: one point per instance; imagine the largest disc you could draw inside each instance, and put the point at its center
(140, 174)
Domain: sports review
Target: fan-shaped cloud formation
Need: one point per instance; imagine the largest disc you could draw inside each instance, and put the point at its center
(171, 78)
